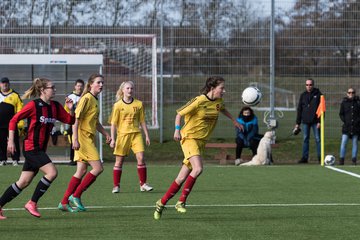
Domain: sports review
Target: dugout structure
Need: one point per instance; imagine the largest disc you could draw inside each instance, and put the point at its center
(30, 64)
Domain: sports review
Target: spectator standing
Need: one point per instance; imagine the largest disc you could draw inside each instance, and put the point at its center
(350, 116)
(306, 116)
(10, 104)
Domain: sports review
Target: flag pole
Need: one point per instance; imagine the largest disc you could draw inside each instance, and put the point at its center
(320, 113)
(322, 139)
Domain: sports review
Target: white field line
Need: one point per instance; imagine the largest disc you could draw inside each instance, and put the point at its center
(211, 205)
(343, 171)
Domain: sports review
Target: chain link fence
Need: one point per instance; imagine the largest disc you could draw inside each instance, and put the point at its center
(196, 39)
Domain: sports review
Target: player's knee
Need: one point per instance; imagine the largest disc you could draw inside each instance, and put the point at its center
(197, 171)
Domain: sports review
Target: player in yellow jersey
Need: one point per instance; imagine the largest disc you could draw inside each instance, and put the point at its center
(84, 132)
(127, 115)
(200, 117)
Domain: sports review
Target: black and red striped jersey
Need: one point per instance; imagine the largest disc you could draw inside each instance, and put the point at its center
(40, 121)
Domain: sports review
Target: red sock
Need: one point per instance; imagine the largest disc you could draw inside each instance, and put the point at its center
(85, 183)
(141, 169)
(117, 176)
(73, 184)
(190, 181)
(173, 189)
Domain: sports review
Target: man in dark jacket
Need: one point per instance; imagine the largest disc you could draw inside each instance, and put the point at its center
(306, 116)
(350, 116)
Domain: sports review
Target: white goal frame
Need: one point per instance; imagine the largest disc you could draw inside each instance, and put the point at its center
(58, 59)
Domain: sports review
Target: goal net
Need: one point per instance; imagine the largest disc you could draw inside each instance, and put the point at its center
(126, 57)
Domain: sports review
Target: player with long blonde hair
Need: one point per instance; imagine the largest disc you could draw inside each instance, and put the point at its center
(127, 115)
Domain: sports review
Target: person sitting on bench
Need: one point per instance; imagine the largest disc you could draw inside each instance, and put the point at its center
(249, 137)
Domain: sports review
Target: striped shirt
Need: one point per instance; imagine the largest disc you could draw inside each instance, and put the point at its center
(40, 121)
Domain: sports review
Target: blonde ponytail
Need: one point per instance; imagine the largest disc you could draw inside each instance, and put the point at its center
(90, 81)
(35, 89)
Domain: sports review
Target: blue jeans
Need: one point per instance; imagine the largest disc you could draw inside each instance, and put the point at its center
(344, 140)
(306, 135)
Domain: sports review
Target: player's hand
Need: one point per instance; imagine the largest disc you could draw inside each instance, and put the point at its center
(177, 135)
(69, 103)
(112, 144)
(108, 139)
(239, 126)
(147, 140)
(76, 145)
(11, 147)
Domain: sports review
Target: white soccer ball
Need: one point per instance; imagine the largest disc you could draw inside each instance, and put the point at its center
(251, 96)
(329, 160)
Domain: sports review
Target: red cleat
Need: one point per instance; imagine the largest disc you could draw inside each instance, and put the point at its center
(2, 217)
(31, 207)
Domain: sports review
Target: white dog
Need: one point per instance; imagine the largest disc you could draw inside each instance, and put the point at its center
(263, 156)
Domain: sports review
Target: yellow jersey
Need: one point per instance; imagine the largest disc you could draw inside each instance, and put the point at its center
(87, 111)
(10, 104)
(127, 116)
(200, 117)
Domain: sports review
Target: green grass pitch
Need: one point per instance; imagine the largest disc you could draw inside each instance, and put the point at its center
(227, 202)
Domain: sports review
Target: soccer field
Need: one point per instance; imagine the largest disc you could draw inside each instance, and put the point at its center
(227, 202)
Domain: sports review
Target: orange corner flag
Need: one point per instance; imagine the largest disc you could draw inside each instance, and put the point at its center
(321, 108)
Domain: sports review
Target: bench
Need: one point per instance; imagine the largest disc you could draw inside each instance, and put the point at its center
(223, 155)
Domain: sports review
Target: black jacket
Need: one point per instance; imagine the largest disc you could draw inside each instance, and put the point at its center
(308, 104)
(350, 116)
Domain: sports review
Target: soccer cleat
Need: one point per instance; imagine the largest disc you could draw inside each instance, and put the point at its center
(31, 207)
(66, 208)
(180, 207)
(116, 189)
(2, 163)
(2, 217)
(159, 207)
(15, 163)
(77, 202)
(146, 188)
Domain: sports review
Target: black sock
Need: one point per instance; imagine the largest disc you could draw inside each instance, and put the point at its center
(40, 189)
(10, 193)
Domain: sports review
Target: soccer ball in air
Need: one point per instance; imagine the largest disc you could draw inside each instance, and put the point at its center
(251, 96)
(329, 160)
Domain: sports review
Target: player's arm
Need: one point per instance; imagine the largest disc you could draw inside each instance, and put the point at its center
(143, 124)
(101, 129)
(177, 135)
(146, 132)
(75, 135)
(112, 135)
(228, 115)
(23, 113)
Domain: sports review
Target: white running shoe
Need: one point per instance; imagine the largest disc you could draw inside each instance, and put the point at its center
(146, 188)
(116, 189)
(238, 161)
